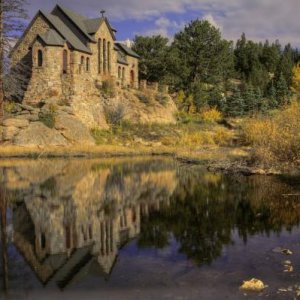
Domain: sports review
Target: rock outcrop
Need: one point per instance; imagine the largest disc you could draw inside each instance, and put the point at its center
(54, 123)
(37, 134)
(50, 125)
(73, 130)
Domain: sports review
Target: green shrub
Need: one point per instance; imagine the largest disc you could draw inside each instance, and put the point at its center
(115, 114)
(47, 118)
(162, 98)
(109, 88)
(10, 107)
(144, 97)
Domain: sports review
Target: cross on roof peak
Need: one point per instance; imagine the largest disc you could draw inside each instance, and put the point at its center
(102, 13)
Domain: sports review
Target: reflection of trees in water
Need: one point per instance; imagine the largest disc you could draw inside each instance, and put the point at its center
(205, 209)
(4, 254)
(100, 210)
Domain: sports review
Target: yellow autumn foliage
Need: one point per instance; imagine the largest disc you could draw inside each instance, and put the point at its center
(296, 80)
(275, 138)
(211, 115)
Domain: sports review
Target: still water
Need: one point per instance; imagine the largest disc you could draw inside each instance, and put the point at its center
(144, 228)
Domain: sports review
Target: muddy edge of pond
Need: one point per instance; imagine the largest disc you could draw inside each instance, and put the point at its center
(217, 164)
(241, 167)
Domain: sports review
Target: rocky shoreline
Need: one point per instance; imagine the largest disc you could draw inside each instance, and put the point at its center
(33, 126)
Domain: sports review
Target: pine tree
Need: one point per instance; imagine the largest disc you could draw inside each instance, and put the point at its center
(282, 91)
(272, 96)
(235, 104)
(264, 106)
(286, 65)
(250, 100)
(216, 98)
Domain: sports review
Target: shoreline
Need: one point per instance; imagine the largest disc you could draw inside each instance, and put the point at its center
(229, 160)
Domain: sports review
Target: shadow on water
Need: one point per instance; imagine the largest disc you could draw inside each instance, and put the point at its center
(71, 218)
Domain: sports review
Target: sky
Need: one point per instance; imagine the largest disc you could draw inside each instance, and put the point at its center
(259, 19)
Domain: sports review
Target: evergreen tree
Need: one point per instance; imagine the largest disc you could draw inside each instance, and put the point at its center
(241, 57)
(235, 104)
(271, 56)
(203, 56)
(285, 66)
(216, 98)
(154, 52)
(250, 100)
(282, 91)
(272, 96)
(264, 106)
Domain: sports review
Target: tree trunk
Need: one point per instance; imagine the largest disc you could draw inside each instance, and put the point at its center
(1, 62)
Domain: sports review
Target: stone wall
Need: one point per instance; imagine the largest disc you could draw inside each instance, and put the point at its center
(78, 84)
(39, 25)
(127, 75)
(46, 81)
(99, 73)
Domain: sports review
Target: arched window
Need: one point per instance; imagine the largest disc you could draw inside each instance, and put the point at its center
(65, 62)
(99, 56)
(82, 60)
(43, 241)
(132, 78)
(40, 58)
(104, 56)
(108, 57)
(123, 74)
(119, 72)
(87, 64)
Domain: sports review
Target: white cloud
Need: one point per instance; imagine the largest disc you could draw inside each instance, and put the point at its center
(164, 26)
(259, 19)
(212, 21)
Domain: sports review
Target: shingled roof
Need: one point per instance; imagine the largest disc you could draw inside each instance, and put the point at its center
(92, 25)
(66, 33)
(77, 19)
(127, 50)
(52, 38)
(62, 33)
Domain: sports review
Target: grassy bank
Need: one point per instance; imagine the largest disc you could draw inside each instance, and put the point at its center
(275, 140)
(187, 134)
(190, 140)
(265, 142)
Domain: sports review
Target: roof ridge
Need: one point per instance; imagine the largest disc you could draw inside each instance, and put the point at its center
(66, 32)
(76, 20)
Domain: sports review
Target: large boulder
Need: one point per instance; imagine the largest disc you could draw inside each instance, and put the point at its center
(73, 130)
(90, 112)
(9, 133)
(37, 134)
(14, 122)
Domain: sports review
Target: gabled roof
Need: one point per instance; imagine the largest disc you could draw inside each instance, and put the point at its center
(77, 19)
(62, 33)
(52, 38)
(92, 25)
(66, 33)
(127, 50)
(121, 58)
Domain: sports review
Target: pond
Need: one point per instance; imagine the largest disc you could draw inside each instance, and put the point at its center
(144, 228)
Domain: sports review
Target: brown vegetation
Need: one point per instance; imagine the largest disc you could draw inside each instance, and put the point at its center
(277, 138)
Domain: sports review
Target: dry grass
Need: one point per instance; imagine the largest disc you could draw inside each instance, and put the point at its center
(277, 138)
(76, 151)
(192, 135)
(211, 115)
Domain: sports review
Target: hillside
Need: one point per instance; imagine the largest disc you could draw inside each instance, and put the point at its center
(55, 123)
